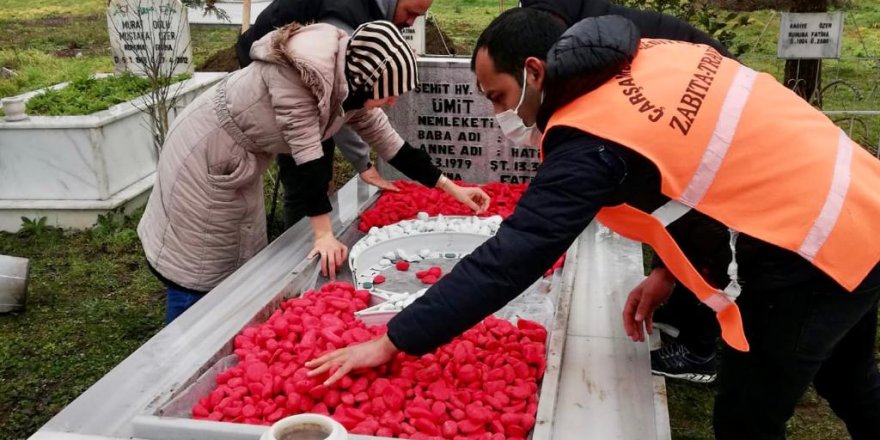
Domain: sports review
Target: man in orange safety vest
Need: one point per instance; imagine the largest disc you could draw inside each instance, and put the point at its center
(671, 144)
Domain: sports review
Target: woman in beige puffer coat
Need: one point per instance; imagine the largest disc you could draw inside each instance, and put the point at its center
(205, 216)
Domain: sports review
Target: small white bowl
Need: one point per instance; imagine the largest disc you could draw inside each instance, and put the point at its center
(311, 427)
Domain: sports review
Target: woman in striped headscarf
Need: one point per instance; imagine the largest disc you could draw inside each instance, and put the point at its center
(205, 216)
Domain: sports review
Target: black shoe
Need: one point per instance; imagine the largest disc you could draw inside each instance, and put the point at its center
(674, 360)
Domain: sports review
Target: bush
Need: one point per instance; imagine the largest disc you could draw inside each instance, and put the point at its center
(721, 25)
(86, 95)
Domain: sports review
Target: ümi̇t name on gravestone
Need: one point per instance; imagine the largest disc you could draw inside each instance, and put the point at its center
(150, 37)
(456, 126)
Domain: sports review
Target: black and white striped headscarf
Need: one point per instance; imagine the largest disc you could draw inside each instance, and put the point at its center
(378, 59)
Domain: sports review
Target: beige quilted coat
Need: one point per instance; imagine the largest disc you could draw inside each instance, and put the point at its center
(205, 216)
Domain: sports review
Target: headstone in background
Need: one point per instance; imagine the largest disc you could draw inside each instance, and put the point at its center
(146, 32)
(448, 119)
(415, 35)
(813, 35)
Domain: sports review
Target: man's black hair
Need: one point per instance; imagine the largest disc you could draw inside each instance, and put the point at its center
(517, 34)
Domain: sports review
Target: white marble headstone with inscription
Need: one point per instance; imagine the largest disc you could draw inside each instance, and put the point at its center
(447, 118)
(810, 35)
(415, 35)
(149, 33)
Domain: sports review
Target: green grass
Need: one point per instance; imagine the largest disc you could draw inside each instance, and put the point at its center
(85, 95)
(463, 20)
(92, 301)
(31, 9)
(57, 41)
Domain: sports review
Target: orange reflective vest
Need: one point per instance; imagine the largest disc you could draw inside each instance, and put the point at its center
(739, 147)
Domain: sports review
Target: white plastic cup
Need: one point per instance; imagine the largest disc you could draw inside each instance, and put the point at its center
(306, 427)
(14, 109)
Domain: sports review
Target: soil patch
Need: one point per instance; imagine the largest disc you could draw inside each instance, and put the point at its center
(71, 51)
(224, 60)
(51, 21)
(437, 42)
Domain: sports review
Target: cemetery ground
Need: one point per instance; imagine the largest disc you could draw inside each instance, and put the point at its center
(91, 299)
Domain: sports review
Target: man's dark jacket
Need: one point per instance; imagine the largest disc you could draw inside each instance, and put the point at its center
(650, 24)
(282, 12)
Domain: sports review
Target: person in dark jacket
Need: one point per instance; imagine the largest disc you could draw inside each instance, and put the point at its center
(346, 15)
(804, 327)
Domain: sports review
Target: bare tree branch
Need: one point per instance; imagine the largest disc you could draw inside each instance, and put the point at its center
(157, 55)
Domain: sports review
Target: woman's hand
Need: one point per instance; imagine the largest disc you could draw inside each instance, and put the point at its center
(371, 176)
(644, 300)
(373, 353)
(333, 253)
(472, 197)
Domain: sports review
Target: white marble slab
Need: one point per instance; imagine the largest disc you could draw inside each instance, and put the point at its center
(76, 214)
(661, 409)
(56, 164)
(606, 390)
(608, 267)
(89, 157)
(602, 385)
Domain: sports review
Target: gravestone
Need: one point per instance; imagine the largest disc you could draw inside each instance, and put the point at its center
(813, 35)
(415, 35)
(447, 118)
(150, 35)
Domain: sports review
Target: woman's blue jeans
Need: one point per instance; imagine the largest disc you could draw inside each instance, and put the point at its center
(176, 302)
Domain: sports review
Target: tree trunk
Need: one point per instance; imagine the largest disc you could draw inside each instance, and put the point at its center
(805, 76)
(245, 15)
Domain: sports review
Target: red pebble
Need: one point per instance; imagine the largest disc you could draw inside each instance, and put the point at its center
(402, 265)
(449, 429)
(429, 279)
(378, 279)
(200, 412)
(256, 371)
(426, 426)
(480, 386)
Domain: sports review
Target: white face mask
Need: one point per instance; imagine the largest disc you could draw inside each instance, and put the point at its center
(513, 126)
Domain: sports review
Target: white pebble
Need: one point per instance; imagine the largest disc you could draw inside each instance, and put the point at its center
(424, 253)
(373, 230)
(389, 255)
(422, 215)
(402, 254)
(385, 262)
